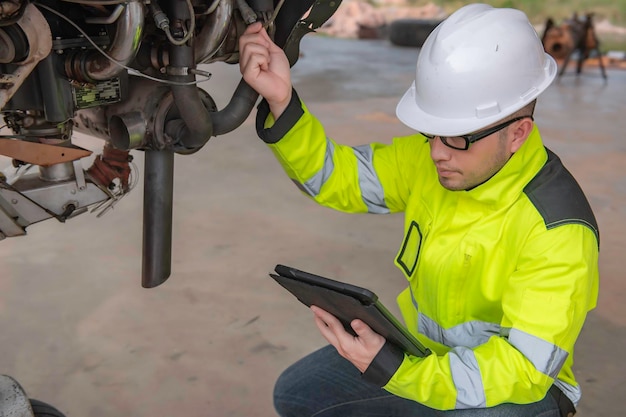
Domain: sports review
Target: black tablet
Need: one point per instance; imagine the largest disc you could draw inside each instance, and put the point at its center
(348, 302)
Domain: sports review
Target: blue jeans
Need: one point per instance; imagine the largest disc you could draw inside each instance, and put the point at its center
(323, 384)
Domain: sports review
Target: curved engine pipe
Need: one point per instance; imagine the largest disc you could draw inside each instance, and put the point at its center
(96, 67)
(236, 111)
(214, 31)
(124, 46)
(244, 98)
(197, 128)
(198, 124)
(37, 31)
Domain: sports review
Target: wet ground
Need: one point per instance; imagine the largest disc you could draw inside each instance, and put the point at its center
(78, 331)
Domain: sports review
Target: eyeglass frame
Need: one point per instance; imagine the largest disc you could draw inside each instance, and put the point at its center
(474, 137)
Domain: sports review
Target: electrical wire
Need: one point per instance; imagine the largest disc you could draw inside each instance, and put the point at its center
(129, 69)
(212, 8)
(274, 14)
(134, 179)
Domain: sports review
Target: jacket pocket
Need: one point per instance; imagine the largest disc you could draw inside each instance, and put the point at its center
(409, 253)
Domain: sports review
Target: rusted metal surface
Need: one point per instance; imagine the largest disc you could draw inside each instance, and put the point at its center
(40, 153)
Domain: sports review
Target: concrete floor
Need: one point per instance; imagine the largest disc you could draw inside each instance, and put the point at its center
(78, 331)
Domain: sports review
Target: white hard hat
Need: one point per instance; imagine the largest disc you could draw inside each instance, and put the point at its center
(478, 66)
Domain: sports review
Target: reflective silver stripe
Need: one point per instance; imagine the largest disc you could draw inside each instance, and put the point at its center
(572, 392)
(414, 301)
(469, 334)
(467, 379)
(371, 188)
(314, 185)
(545, 356)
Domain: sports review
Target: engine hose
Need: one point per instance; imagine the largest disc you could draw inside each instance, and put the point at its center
(236, 111)
(198, 126)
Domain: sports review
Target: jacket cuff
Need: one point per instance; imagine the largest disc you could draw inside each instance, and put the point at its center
(384, 365)
(283, 124)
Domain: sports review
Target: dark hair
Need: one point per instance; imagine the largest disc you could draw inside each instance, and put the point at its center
(527, 110)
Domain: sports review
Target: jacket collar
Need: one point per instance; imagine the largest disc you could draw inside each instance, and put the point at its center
(507, 184)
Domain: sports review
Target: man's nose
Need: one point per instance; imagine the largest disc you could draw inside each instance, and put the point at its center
(439, 151)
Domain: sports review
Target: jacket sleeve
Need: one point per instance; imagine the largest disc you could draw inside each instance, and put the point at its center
(351, 179)
(544, 307)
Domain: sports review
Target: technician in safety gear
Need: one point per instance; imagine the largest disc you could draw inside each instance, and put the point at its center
(500, 245)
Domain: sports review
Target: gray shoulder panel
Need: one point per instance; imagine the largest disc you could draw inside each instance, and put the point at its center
(558, 197)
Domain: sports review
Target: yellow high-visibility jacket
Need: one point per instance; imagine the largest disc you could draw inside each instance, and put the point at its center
(500, 277)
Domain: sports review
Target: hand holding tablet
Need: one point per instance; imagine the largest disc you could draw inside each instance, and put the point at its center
(347, 302)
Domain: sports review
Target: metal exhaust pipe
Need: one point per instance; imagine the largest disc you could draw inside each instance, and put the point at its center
(157, 217)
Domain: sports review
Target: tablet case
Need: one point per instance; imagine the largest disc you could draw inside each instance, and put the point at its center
(348, 302)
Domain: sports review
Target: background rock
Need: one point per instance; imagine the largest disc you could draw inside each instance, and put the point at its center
(354, 16)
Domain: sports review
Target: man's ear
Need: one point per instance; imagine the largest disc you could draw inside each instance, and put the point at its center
(520, 132)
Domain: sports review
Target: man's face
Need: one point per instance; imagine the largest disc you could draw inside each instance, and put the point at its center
(462, 170)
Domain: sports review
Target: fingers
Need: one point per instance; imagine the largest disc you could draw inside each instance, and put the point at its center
(360, 350)
(361, 329)
(255, 50)
(368, 337)
(254, 55)
(251, 41)
(255, 33)
(326, 331)
(323, 314)
(333, 330)
(329, 325)
(256, 27)
(265, 68)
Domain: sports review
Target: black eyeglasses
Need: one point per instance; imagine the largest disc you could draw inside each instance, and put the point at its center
(462, 142)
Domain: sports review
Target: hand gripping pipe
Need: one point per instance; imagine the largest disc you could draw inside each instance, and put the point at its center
(198, 126)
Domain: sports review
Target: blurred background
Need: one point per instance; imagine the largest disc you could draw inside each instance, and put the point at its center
(390, 19)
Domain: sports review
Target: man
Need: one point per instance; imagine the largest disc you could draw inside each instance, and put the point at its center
(500, 248)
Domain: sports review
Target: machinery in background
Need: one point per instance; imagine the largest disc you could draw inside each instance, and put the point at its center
(574, 37)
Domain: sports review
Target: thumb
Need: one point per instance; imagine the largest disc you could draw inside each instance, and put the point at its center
(361, 329)
(255, 27)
